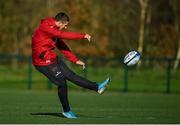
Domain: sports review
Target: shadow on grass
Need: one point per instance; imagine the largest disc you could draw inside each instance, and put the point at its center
(49, 114)
(60, 115)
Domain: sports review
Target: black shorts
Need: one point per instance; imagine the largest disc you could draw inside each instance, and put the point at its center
(58, 73)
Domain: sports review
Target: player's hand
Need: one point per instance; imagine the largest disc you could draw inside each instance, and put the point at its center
(81, 63)
(88, 37)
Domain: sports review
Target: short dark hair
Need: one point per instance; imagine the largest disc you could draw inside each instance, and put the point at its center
(61, 16)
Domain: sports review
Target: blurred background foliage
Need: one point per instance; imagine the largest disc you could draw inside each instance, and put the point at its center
(116, 26)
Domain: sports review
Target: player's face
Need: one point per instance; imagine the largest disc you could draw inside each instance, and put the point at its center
(63, 25)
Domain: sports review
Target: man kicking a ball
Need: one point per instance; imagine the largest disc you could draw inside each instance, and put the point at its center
(47, 36)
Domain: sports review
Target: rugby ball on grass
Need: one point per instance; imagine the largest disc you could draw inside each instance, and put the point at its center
(132, 58)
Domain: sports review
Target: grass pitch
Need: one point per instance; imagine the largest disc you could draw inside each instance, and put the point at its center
(17, 106)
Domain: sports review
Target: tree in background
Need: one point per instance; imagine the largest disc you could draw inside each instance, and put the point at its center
(115, 25)
(143, 6)
(175, 7)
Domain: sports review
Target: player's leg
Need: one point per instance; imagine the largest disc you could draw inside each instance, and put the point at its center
(62, 89)
(80, 81)
(54, 74)
(63, 96)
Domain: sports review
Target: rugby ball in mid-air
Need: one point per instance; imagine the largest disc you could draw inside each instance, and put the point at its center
(132, 58)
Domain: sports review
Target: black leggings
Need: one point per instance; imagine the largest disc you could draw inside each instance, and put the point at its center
(58, 73)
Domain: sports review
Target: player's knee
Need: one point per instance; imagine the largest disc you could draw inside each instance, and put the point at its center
(70, 74)
(62, 84)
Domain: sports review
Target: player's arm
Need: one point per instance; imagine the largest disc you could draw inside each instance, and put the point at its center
(68, 53)
(62, 34)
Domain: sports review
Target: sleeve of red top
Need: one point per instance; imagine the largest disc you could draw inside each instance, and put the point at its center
(61, 34)
(66, 51)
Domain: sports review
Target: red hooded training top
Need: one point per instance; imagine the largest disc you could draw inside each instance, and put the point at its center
(43, 46)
